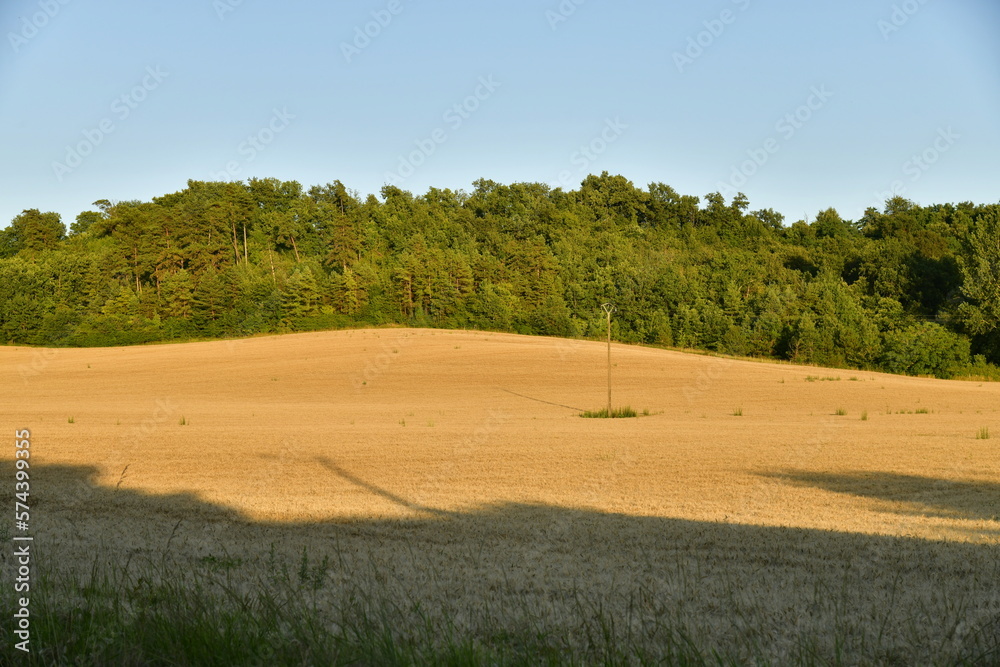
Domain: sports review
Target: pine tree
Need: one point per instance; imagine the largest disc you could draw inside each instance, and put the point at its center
(302, 295)
(177, 295)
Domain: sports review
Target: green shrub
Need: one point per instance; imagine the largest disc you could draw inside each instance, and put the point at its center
(925, 349)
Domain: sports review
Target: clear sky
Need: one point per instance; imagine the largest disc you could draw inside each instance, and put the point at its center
(800, 105)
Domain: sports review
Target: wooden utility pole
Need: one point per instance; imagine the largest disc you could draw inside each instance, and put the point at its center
(608, 309)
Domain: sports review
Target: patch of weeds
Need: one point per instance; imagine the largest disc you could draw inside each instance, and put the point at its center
(183, 421)
(121, 478)
(922, 411)
(983, 433)
(840, 412)
(616, 413)
(71, 420)
(315, 575)
(224, 563)
(864, 415)
(738, 412)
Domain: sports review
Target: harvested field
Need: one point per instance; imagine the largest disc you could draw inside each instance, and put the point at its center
(765, 511)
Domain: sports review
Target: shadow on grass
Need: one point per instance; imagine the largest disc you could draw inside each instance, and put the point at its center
(907, 494)
(124, 577)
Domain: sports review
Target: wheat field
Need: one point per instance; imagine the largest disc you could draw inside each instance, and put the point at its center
(768, 512)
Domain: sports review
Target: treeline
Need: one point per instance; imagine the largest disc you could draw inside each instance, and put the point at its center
(908, 289)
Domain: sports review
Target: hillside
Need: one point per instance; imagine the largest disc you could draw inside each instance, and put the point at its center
(419, 479)
(374, 423)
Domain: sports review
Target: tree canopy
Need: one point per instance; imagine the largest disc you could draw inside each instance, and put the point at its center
(907, 289)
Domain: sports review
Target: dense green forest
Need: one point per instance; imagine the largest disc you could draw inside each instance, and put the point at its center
(909, 289)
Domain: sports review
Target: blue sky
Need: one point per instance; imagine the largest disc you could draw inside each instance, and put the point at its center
(801, 106)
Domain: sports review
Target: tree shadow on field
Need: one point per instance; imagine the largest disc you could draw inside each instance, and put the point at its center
(907, 494)
(570, 578)
(348, 476)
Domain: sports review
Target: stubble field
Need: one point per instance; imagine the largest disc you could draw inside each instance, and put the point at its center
(442, 486)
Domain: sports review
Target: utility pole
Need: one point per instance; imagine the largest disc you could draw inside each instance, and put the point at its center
(608, 309)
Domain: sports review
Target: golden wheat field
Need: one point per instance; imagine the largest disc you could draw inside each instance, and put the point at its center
(758, 508)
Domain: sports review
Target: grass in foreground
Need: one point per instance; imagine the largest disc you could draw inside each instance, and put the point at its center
(209, 615)
(225, 611)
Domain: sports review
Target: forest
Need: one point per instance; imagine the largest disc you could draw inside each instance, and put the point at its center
(908, 289)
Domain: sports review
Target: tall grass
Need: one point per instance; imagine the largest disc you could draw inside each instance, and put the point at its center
(226, 611)
(616, 413)
(161, 612)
